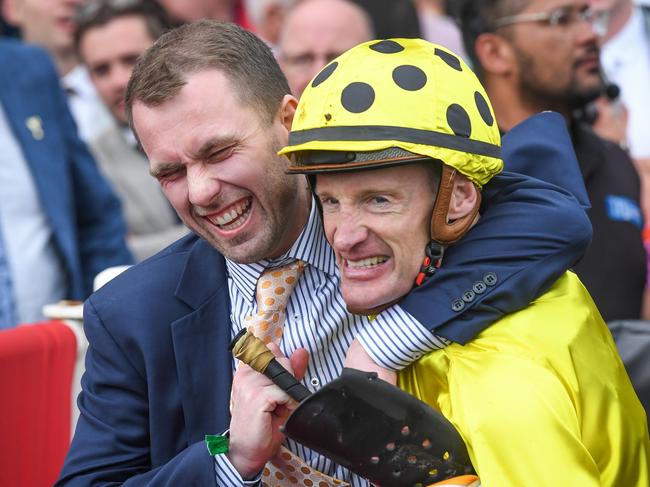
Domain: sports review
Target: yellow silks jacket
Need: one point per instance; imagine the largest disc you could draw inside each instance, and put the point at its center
(541, 397)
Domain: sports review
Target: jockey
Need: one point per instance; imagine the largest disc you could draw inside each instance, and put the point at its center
(398, 138)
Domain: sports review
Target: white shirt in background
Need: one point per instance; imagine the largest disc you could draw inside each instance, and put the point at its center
(87, 108)
(626, 61)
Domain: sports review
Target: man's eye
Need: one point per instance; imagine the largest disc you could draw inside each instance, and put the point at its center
(131, 60)
(328, 201)
(562, 17)
(221, 154)
(100, 70)
(300, 60)
(168, 175)
(380, 200)
(331, 56)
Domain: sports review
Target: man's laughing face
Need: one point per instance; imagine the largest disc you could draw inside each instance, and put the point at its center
(215, 158)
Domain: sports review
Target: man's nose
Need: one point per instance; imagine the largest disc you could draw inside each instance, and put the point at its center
(202, 188)
(589, 30)
(349, 233)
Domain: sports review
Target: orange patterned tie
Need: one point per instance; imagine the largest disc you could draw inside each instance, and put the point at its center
(273, 290)
(274, 287)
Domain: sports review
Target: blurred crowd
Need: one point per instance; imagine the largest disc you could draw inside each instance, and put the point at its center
(76, 195)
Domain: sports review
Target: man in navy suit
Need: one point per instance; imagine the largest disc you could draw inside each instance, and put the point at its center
(211, 108)
(60, 222)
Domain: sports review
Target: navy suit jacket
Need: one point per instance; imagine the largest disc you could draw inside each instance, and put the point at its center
(158, 372)
(518, 247)
(82, 210)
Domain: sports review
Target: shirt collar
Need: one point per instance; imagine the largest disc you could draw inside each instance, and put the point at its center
(310, 247)
(77, 82)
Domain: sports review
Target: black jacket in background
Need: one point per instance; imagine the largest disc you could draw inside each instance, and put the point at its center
(614, 267)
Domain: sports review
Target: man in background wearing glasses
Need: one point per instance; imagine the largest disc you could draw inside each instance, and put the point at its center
(535, 55)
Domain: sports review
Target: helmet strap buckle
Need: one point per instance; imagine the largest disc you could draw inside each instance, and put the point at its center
(431, 262)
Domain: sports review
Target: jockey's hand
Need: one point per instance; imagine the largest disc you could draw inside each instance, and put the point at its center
(358, 358)
(258, 409)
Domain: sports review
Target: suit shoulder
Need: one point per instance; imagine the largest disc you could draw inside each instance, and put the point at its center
(17, 54)
(181, 246)
(180, 277)
(156, 276)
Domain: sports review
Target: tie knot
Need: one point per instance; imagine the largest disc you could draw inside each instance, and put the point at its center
(276, 284)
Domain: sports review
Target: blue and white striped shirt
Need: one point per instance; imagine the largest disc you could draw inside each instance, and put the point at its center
(317, 320)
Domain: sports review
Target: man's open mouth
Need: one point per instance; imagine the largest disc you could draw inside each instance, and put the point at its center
(366, 263)
(234, 217)
(66, 23)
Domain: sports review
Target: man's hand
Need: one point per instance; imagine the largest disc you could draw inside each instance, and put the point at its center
(258, 409)
(358, 358)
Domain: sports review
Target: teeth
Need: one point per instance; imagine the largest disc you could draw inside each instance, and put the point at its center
(235, 212)
(236, 224)
(369, 262)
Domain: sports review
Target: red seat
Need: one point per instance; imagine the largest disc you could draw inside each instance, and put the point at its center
(36, 367)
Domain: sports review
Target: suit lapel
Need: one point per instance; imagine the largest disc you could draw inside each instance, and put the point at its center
(201, 339)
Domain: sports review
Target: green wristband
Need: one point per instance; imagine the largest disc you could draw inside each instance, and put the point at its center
(217, 444)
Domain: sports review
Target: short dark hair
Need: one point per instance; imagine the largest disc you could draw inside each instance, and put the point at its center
(245, 60)
(96, 13)
(477, 17)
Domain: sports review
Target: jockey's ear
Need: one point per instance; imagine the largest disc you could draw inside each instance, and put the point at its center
(463, 198)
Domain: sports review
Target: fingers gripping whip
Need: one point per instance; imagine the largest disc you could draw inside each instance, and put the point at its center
(365, 424)
(252, 351)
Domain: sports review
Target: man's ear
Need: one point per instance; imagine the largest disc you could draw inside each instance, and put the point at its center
(287, 111)
(464, 197)
(494, 53)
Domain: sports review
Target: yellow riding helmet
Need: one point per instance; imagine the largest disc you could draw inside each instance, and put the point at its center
(408, 94)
